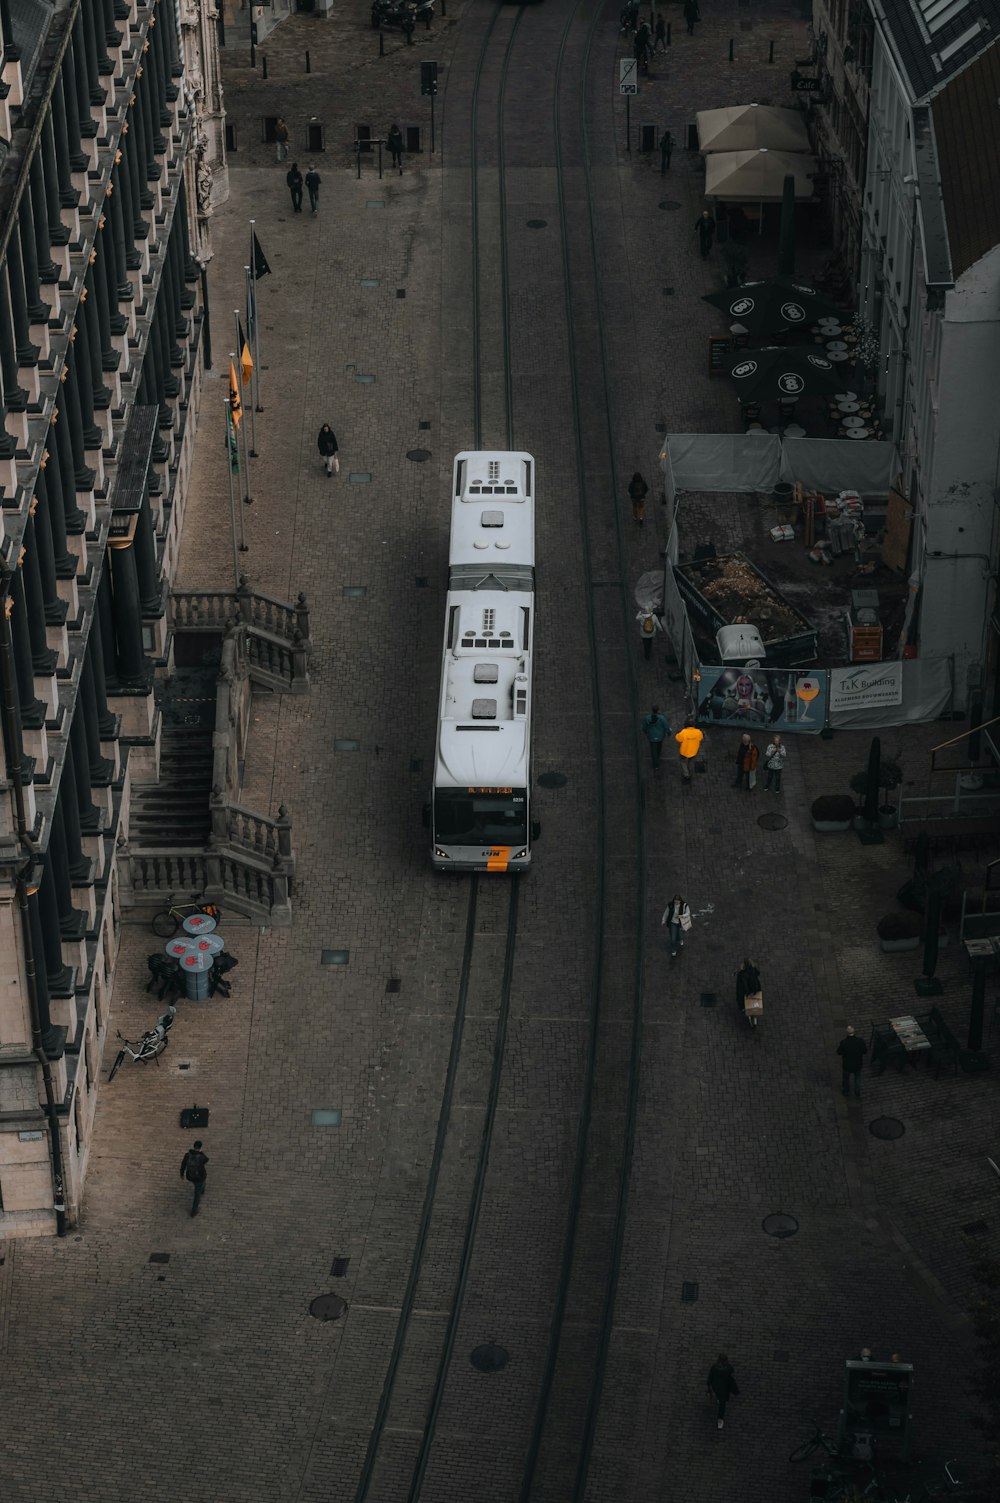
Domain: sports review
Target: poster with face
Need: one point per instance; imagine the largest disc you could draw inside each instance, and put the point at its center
(779, 699)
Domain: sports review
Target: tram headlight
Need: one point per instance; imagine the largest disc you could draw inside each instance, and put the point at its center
(518, 854)
(443, 854)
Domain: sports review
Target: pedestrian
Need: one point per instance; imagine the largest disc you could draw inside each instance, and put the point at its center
(644, 41)
(747, 985)
(691, 15)
(649, 625)
(639, 49)
(194, 1171)
(656, 730)
(666, 150)
(852, 1051)
(293, 178)
(677, 917)
(747, 757)
(689, 740)
(705, 227)
(326, 443)
(281, 139)
(721, 1386)
(661, 33)
(313, 181)
(774, 764)
(394, 141)
(638, 490)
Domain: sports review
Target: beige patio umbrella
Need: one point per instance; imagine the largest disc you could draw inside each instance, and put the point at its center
(748, 176)
(744, 127)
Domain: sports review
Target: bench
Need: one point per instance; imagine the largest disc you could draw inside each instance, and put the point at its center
(953, 834)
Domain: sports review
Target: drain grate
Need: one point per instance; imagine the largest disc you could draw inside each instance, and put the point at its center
(327, 1307)
(393, 985)
(346, 744)
(552, 780)
(335, 957)
(971, 1229)
(489, 1358)
(354, 591)
(669, 204)
(418, 456)
(689, 1292)
(339, 1268)
(772, 821)
(537, 224)
(159, 1257)
(778, 1224)
(709, 999)
(886, 1128)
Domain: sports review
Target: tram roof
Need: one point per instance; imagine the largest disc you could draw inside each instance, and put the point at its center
(485, 710)
(493, 510)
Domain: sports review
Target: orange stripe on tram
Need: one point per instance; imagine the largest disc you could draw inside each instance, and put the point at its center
(498, 859)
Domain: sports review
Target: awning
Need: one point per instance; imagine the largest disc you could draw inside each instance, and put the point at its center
(757, 176)
(745, 127)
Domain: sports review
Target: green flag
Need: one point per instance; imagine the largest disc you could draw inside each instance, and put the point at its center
(234, 448)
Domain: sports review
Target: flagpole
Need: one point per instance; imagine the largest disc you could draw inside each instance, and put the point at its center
(256, 334)
(251, 300)
(232, 493)
(248, 498)
(253, 420)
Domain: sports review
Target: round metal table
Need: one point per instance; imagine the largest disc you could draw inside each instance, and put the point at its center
(836, 355)
(849, 407)
(845, 396)
(858, 433)
(854, 422)
(195, 958)
(199, 923)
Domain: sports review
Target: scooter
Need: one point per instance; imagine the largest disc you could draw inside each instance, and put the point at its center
(150, 1046)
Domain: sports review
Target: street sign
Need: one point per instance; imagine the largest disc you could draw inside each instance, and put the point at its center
(804, 85)
(628, 76)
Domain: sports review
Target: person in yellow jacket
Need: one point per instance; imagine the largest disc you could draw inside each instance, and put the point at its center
(689, 741)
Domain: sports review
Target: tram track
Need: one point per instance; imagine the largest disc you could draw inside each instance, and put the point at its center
(555, 1407)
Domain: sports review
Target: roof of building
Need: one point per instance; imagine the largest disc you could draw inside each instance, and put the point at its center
(966, 121)
(30, 21)
(935, 39)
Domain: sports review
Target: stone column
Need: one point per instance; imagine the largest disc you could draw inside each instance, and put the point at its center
(27, 353)
(90, 815)
(38, 312)
(38, 541)
(50, 957)
(72, 921)
(76, 118)
(121, 203)
(105, 628)
(50, 1034)
(139, 148)
(107, 723)
(61, 456)
(78, 360)
(159, 77)
(145, 561)
(49, 487)
(112, 36)
(58, 232)
(93, 10)
(111, 257)
(32, 709)
(161, 343)
(174, 322)
(101, 305)
(66, 143)
(133, 665)
(101, 767)
(80, 438)
(15, 398)
(89, 339)
(142, 114)
(85, 38)
(186, 297)
(43, 659)
(66, 802)
(155, 366)
(191, 272)
(48, 271)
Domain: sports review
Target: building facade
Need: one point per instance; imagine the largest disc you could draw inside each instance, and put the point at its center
(111, 154)
(843, 34)
(930, 287)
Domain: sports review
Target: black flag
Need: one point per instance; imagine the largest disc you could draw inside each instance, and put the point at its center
(260, 266)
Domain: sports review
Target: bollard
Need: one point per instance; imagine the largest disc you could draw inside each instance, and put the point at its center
(253, 55)
(444, 7)
(309, 64)
(730, 50)
(357, 148)
(381, 42)
(668, 33)
(263, 64)
(770, 53)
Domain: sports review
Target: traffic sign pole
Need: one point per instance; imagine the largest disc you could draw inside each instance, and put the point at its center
(628, 123)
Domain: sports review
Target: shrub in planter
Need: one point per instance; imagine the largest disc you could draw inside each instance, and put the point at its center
(899, 931)
(834, 811)
(890, 775)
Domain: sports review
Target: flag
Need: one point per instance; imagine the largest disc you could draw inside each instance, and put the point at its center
(246, 359)
(260, 266)
(251, 307)
(235, 405)
(233, 445)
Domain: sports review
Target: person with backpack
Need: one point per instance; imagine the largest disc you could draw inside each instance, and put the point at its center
(313, 181)
(194, 1171)
(394, 141)
(326, 443)
(293, 178)
(638, 490)
(677, 918)
(666, 150)
(721, 1386)
(656, 730)
(281, 138)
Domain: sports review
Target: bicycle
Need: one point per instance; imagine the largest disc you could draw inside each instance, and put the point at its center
(150, 1046)
(168, 921)
(818, 1441)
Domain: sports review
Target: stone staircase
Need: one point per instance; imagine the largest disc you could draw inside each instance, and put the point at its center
(175, 812)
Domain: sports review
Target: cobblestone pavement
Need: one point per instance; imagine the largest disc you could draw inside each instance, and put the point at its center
(201, 1374)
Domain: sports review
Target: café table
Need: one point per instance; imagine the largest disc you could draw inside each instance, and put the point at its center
(836, 355)
(199, 923)
(836, 344)
(794, 430)
(829, 323)
(841, 397)
(854, 422)
(910, 1034)
(859, 433)
(849, 407)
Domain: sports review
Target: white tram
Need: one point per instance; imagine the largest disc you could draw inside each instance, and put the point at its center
(480, 815)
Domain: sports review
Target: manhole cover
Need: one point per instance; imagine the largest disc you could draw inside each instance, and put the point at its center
(780, 1225)
(537, 224)
(668, 292)
(489, 1358)
(709, 999)
(887, 1128)
(669, 203)
(552, 780)
(419, 456)
(328, 1307)
(772, 821)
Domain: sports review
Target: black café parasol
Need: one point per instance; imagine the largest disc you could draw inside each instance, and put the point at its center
(783, 373)
(773, 307)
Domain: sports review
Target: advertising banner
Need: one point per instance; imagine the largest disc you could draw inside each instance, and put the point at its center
(769, 699)
(865, 686)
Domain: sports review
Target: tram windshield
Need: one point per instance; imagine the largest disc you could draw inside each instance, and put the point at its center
(481, 816)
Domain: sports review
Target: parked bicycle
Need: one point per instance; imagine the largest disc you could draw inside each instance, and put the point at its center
(818, 1441)
(150, 1046)
(167, 922)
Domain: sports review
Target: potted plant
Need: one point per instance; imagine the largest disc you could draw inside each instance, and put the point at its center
(834, 811)
(898, 931)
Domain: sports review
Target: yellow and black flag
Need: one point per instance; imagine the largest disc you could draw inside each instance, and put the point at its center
(235, 405)
(246, 359)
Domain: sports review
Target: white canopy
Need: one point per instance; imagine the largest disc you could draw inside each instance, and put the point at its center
(745, 127)
(748, 176)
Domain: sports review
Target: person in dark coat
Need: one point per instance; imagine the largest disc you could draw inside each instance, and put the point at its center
(313, 181)
(327, 446)
(661, 33)
(394, 141)
(721, 1386)
(638, 491)
(691, 15)
(666, 152)
(747, 757)
(705, 227)
(852, 1051)
(640, 46)
(747, 985)
(293, 178)
(193, 1169)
